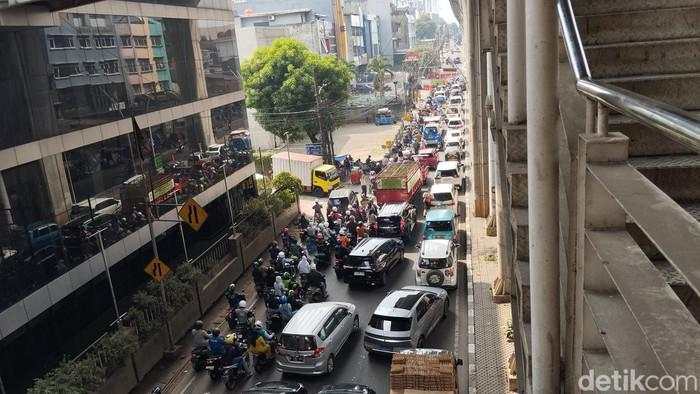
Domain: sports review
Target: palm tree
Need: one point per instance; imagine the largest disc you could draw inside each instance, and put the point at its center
(380, 66)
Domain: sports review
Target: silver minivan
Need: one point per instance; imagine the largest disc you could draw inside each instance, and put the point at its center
(314, 336)
(405, 318)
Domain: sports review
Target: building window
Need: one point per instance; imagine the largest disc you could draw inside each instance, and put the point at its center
(156, 41)
(104, 41)
(110, 67)
(126, 41)
(160, 64)
(120, 19)
(131, 66)
(137, 89)
(145, 65)
(97, 21)
(65, 70)
(90, 68)
(149, 87)
(77, 20)
(61, 42)
(137, 20)
(84, 41)
(164, 85)
(140, 41)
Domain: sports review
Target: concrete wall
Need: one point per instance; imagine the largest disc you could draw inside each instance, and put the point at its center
(382, 9)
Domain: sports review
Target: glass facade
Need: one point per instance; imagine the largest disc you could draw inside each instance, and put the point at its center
(95, 69)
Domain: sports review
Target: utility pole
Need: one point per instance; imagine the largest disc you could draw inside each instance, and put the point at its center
(325, 147)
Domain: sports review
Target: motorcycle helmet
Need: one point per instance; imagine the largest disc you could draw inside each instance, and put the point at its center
(242, 304)
(283, 299)
(216, 332)
(258, 324)
(280, 255)
(312, 266)
(232, 286)
(335, 209)
(287, 276)
(198, 325)
(230, 339)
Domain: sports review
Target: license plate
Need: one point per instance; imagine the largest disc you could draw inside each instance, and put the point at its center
(209, 368)
(296, 358)
(359, 274)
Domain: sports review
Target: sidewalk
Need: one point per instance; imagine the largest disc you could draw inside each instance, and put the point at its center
(488, 368)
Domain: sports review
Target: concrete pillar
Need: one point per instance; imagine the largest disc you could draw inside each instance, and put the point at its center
(515, 42)
(543, 192)
(58, 188)
(5, 206)
(207, 128)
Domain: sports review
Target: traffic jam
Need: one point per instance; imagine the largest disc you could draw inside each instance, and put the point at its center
(358, 295)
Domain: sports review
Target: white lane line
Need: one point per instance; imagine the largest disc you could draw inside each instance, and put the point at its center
(187, 386)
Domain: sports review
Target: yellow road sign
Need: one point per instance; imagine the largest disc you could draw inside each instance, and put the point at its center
(193, 214)
(157, 269)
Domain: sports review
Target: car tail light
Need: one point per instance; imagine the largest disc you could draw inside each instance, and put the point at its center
(318, 351)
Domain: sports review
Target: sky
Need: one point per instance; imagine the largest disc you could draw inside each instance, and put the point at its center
(446, 11)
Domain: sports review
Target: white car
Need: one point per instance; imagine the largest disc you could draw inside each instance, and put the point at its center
(455, 133)
(436, 264)
(453, 147)
(215, 150)
(455, 122)
(442, 195)
(98, 206)
(450, 172)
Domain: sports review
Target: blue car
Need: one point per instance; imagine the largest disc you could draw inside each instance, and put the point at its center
(440, 224)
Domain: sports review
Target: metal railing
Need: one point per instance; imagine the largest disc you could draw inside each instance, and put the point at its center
(675, 123)
(213, 254)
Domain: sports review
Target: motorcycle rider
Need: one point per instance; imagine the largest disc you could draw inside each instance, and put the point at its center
(287, 280)
(273, 250)
(270, 277)
(279, 262)
(318, 211)
(285, 308)
(258, 275)
(232, 296)
(304, 267)
(216, 343)
(201, 338)
(316, 279)
(259, 340)
(234, 355)
(241, 314)
(279, 286)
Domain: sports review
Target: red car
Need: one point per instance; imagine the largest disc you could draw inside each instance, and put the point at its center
(427, 158)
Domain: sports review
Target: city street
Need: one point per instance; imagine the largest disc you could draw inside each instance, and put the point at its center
(354, 365)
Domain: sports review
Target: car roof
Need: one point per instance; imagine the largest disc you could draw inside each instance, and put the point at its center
(93, 201)
(325, 167)
(453, 118)
(427, 151)
(309, 318)
(435, 248)
(398, 303)
(452, 138)
(392, 209)
(275, 387)
(340, 193)
(442, 188)
(367, 246)
(447, 165)
(432, 118)
(432, 124)
(439, 214)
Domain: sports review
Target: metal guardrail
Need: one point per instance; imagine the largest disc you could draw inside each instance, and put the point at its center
(213, 254)
(675, 123)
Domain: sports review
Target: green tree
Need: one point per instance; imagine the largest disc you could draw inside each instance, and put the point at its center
(280, 81)
(425, 27)
(380, 66)
(287, 181)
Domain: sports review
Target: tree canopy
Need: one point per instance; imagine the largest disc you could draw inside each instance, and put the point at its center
(427, 26)
(279, 84)
(380, 66)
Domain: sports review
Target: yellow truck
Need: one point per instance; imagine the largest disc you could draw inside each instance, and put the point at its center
(315, 176)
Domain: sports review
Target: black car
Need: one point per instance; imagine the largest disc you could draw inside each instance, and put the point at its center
(341, 199)
(371, 260)
(396, 220)
(346, 388)
(277, 387)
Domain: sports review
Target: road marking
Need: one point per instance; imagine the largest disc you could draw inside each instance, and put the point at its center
(189, 383)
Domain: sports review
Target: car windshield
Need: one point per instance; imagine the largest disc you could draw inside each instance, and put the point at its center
(390, 323)
(454, 124)
(448, 173)
(441, 225)
(336, 202)
(389, 221)
(442, 196)
(434, 263)
(453, 143)
(299, 343)
(332, 175)
(359, 261)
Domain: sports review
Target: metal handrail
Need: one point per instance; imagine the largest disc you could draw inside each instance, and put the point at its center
(674, 122)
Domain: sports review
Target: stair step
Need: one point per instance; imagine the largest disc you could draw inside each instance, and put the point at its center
(678, 176)
(644, 25)
(679, 90)
(647, 141)
(597, 7)
(517, 177)
(522, 239)
(677, 56)
(516, 143)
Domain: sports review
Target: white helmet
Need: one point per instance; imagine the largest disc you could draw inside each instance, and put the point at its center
(280, 254)
(335, 209)
(258, 324)
(242, 304)
(312, 266)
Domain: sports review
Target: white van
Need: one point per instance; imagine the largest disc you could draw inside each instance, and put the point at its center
(442, 194)
(436, 264)
(453, 147)
(449, 172)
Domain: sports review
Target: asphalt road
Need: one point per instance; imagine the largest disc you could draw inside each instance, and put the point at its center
(354, 364)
